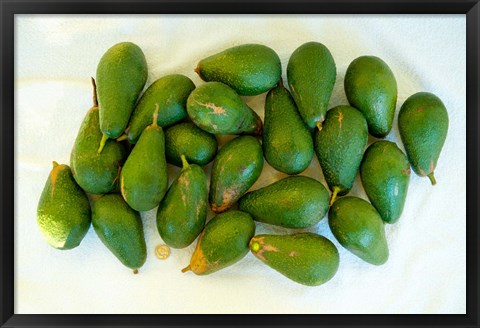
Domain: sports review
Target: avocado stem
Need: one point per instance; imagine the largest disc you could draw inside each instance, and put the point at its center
(135, 271)
(95, 100)
(334, 195)
(122, 137)
(432, 179)
(155, 116)
(55, 164)
(102, 143)
(319, 125)
(188, 268)
(184, 162)
(280, 83)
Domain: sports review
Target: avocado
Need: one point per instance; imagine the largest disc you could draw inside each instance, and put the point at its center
(358, 227)
(223, 242)
(306, 258)
(144, 179)
(96, 173)
(63, 212)
(311, 74)
(293, 202)
(423, 126)
(370, 86)
(121, 76)
(198, 146)
(249, 69)
(216, 108)
(287, 142)
(237, 166)
(170, 93)
(339, 146)
(385, 173)
(182, 213)
(120, 228)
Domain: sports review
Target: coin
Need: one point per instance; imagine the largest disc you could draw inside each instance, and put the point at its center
(162, 252)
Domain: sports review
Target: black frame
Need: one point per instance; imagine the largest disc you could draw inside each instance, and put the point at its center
(8, 8)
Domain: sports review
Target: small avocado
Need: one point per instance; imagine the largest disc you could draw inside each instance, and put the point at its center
(121, 76)
(170, 93)
(339, 145)
(293, 202)
(371, 87)
(306, 258)
(182, 213)
(96, 173)
(120, 228)
(287, 142)
(423, 126)
(237, 166)
(63, 212)
(359, 228)
(311, 74)
(144, 179)
(385, 173)
(223, 242)
(249, 69)
(216, 108)
(198, 146)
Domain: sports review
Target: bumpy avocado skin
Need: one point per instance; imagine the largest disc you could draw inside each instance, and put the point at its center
(293, 202)
(287, 142)
(358, 227)
(311, 74)
(216, 108)
(385, 174)
(170, 93)
(370, 86)
(423, 125)
(237, 166)
(63, 212)
(249, 69)
(306, 258)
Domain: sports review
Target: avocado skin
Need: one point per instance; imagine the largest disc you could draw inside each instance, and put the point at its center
(120, 228)
(121, 76)
(96, 173)
(358, 227)
(385, 174)
(370, 86)
(293, 202)
(249, 69)
(340, 145)
(198, 146)
(144, 179)
(181, 215)
(170, 93)
(423, 125)
(311, 74)
(287, 143)
(216, 108)
(63, 212)
(237, 166)
(306, 258)
(223, 242)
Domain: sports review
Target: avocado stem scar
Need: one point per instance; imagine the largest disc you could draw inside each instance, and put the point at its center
(188, 268)
(319, 125)
(432, 179)
(334, 195)
(256, 246)
(102, 143)
(135, 271)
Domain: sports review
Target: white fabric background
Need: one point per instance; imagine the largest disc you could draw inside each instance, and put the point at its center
(55, 57)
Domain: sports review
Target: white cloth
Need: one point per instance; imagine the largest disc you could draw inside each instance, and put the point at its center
(55, 57)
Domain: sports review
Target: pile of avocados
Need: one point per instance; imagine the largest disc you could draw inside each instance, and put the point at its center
(118, 164)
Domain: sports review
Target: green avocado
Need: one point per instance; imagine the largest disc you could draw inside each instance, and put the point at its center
(311, 74)
(293, 202)
(198, 146)
(170, 93)
(339, 146)
(237, 166)
(218, 109)
(120, 228)
(423, 126)
(306, 258)
(144, 179)
(182, 213)
(249, 69)
(287, 143)
(385, 173)
(96, 173)
(371, 87)
(223, 242)
(359, 228)
(63, 212)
